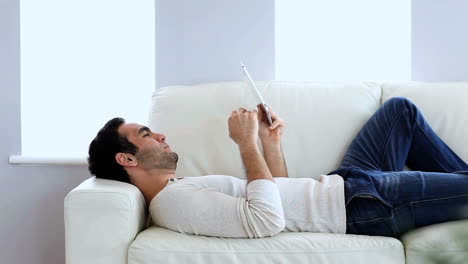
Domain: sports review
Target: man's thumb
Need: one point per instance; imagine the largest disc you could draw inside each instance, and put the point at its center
(260, 110)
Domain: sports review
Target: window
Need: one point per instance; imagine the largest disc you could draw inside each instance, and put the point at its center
(338, 40)
(83, 63)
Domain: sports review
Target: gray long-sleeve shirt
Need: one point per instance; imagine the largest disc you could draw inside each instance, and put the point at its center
(225, 206)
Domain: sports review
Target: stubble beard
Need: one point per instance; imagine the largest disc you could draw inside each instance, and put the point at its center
(157, 159)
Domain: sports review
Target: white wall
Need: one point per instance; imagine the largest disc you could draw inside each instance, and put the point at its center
(31, 197)
(203, 41)
(440, 40)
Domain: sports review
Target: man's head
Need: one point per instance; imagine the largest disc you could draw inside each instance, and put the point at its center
(120, 149)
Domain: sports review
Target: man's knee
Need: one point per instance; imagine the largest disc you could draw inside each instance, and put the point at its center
(399, 102)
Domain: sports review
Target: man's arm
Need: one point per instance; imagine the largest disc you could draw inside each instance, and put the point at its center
(243, 129)
(254, 163)
(274, 159)
(270, 136)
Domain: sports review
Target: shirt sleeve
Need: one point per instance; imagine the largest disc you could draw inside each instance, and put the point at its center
(193, 209)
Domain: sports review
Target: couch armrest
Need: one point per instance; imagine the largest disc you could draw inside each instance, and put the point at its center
(102, 218)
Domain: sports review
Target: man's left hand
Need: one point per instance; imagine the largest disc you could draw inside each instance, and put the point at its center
(265, 133)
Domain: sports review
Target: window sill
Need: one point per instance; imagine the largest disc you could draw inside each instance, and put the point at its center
(75, 161)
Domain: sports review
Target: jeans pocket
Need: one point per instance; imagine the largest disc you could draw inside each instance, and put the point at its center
(370, 216)
(367, 207)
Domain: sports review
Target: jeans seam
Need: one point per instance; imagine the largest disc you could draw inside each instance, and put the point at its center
(432, 142)
(389, 136)
(429, 200)
(413, 202)
(375, 219)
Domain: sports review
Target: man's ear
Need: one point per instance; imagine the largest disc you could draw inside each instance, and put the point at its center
(126, 159)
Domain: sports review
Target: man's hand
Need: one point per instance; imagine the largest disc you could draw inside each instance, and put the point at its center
(267, 134)
(243, 126)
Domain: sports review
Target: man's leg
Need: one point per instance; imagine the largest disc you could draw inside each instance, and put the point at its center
(418, 199)
(397, 133)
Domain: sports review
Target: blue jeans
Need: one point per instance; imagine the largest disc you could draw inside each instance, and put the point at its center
(383, 200)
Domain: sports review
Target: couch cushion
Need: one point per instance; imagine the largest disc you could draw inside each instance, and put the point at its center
(159, 245)
(321, 120)
(444, 106)
(441, 243)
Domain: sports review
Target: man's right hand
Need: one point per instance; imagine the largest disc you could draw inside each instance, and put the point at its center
(243, 126)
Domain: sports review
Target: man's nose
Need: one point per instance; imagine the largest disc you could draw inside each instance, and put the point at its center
(160, 137)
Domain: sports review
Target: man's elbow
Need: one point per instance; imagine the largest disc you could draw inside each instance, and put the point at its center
(274, 228)
(279, 226)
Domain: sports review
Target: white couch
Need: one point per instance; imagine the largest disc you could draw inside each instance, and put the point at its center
(107, 221)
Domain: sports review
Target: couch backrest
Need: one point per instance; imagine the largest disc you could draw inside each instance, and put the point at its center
(443, 104)
(321, 120)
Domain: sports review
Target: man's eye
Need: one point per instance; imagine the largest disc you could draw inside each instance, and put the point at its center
(146, 135)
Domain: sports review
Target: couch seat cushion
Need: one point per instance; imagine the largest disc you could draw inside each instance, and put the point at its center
(442, 243)
(159, 245)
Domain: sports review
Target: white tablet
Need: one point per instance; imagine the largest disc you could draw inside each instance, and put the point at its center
(257, 94)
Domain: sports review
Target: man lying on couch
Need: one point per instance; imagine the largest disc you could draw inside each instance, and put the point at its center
(368, 194)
